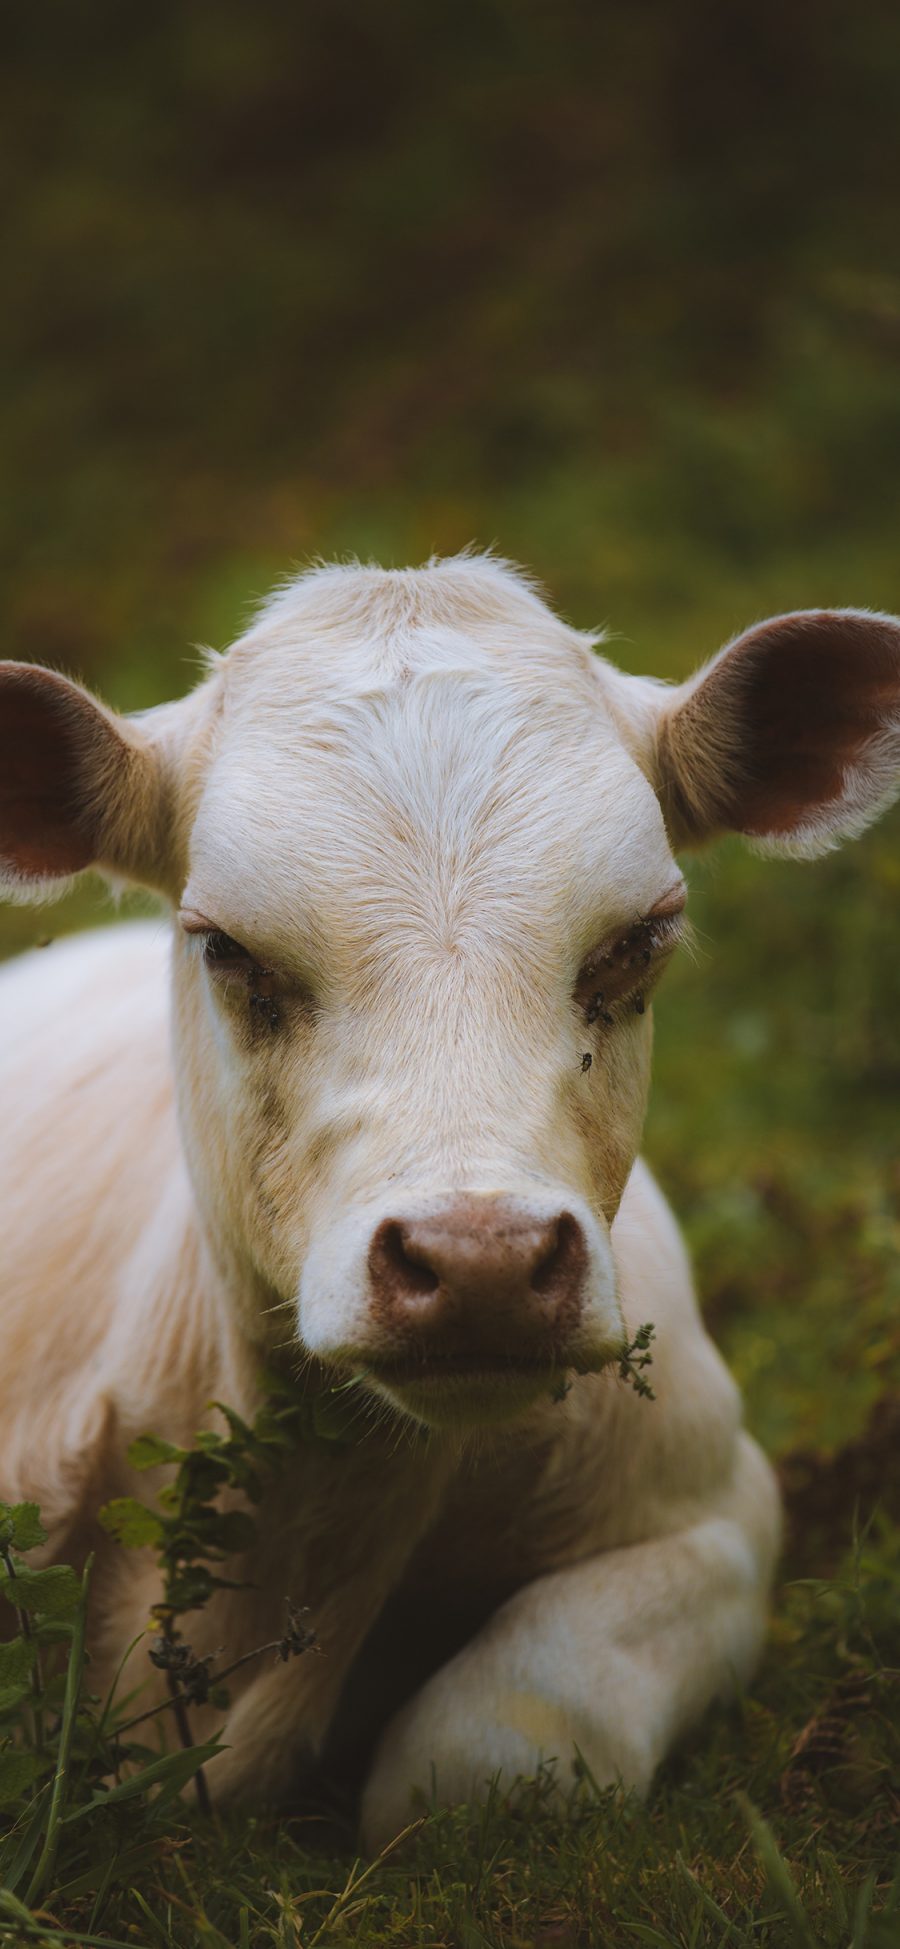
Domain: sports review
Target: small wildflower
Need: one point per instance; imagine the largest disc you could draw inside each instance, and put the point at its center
(634, 1358)
(192, 1675)
(298, 1635)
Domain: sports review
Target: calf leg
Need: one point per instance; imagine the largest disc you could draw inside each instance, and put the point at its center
(615, 1656)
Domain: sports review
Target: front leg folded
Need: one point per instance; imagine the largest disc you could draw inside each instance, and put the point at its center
(613, 1658)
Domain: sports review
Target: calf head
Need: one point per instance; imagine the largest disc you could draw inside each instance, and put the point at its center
(420, 842)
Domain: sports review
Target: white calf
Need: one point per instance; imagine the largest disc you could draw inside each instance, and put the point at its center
(374, 1100)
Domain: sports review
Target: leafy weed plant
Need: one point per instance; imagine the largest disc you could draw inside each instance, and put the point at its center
(194, 1535)
(71, 1768)
(777, 1827)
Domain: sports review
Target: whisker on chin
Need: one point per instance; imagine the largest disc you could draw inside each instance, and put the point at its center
(278, 1306)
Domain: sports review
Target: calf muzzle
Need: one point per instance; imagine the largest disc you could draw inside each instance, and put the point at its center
(478, 1282)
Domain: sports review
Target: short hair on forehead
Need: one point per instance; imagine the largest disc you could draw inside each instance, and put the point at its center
(356, 601)
(439, 590)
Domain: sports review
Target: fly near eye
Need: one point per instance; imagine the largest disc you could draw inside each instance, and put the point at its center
(225, 956)
(619, 969)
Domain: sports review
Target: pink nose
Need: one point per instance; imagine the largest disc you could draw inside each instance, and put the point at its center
(479, 1279)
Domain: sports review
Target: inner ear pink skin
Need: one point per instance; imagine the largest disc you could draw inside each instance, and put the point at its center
(792, 707)
(79, 786)
(45, 830)
(836, 684)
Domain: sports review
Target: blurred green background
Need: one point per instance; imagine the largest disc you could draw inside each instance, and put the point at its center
(615, 288)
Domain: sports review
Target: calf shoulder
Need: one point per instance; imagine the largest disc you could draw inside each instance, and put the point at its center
(110, 1321)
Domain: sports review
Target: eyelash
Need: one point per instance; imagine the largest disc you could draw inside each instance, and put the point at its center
(623, 961)
(221, 951)
(224, 955)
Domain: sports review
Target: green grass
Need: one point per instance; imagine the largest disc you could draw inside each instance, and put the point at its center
(775, 1827)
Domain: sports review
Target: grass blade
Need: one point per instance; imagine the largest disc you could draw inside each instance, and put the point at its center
(778, 1873)
(28, 1840)
(47, 1856)
(709, 1902)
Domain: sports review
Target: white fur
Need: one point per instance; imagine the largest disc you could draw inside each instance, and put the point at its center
(422, 799)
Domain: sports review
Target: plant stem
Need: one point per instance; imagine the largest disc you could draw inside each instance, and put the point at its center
(37, 1676)
(74, 1671)
(177, 1700)
(179, 1697)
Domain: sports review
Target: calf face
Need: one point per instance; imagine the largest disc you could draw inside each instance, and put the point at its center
(428, 873)
(419, 839)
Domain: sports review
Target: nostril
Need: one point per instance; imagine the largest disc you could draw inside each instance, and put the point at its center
(558, 1273)
(410, 1277)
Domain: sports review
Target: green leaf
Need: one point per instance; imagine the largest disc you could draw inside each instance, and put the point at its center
(12, 1696)
(20, 1526)
(17, 1770)
(132, 1523)
(43, 1872)
(219, 1531)
(245, 1477)
(204, 1475)
(239, 1430)
(149, 1451)
(54, 1592)
(235, 1531)
(179, 1768)
(279, 1428)
(170, 1774)
(26, 1838)
(56, 1630)
(209, 1440)
(10, 1906)
(781, 1881)
(190, 1587)
(16, 1660)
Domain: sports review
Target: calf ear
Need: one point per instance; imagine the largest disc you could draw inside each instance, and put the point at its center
(790, 735)
(79, 786)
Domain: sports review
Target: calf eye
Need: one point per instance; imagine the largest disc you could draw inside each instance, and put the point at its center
(221, 952)
(615, 976)
(224, 956)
